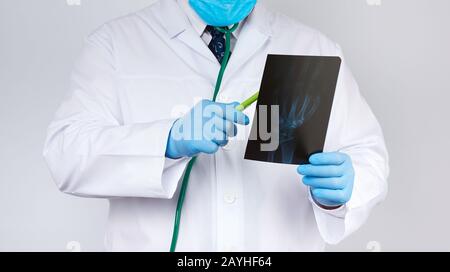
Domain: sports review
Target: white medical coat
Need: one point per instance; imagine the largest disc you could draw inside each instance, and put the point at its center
(136, 75)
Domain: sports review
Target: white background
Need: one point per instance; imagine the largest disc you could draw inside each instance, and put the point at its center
(398, 51)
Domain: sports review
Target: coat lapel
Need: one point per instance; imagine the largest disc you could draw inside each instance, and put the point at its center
(177, 31)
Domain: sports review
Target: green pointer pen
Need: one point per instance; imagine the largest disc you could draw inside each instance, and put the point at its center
(252, 99)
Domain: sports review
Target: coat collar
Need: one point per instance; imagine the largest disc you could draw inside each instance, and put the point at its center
(175, 20)
(197, 23)
(172, 17)
(181, 36)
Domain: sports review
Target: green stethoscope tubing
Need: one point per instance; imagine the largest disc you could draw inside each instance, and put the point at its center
(185, 183)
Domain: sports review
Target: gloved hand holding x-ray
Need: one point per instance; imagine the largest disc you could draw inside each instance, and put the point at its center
(330, 176)
(302, 90)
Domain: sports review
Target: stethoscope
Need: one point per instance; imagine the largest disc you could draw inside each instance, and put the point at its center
(227, 31)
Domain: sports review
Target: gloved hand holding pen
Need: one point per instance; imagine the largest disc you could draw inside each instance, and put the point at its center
(206, 127)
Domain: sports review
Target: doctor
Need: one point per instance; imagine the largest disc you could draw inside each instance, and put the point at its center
(142, 75)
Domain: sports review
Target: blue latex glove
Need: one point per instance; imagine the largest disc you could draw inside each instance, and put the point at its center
(331, 177)
(204, 129)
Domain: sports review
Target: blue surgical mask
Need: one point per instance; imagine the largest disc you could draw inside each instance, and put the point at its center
(222, 12)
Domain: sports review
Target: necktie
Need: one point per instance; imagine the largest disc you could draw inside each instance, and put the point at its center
(217, 44)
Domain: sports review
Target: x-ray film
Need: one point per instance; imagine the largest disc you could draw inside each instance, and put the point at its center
(293, 110)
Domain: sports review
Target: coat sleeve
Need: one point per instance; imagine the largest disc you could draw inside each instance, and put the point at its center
(356, 132)
(90, 152)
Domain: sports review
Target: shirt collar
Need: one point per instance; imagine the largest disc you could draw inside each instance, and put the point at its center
(197, 23)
